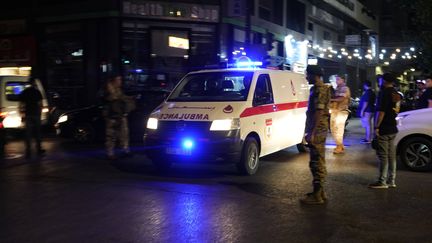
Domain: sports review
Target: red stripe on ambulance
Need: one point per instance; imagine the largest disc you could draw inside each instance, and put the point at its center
(253, 111)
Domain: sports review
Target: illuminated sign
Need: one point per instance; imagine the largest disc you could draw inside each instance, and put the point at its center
(178, 42)
(296, 53)
(312, 61)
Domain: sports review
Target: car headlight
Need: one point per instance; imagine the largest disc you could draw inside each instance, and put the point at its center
(399, 119)
(45, 110)
(62, 118)
(225, 125)
(152, 123)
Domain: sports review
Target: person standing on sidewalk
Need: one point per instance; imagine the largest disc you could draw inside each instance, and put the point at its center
(425, 100)
(339, 113)
(116, 117)
(385, 132)
(367, 109)
(316, 133)
(31, 110)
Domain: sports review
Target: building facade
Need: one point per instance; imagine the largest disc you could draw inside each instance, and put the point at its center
(75, 46)
(340, 36)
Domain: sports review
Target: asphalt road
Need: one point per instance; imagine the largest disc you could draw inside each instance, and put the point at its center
(75, 195)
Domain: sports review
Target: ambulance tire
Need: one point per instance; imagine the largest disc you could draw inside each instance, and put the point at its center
(249, 161)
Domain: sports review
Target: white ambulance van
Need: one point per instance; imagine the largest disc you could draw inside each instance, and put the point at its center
(238, 115)
(11, 87)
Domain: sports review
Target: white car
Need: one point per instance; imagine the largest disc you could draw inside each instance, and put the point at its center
(414, 139)
(11, 87)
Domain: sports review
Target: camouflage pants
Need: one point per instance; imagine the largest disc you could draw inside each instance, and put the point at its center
(116, 128)
(317, 163)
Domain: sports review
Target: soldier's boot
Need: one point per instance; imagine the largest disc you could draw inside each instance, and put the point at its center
(323, 194)
(315, 197)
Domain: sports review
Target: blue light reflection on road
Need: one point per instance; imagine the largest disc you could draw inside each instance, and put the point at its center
(191, 213)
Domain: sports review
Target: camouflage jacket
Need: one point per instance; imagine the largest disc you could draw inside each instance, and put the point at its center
(319, 99)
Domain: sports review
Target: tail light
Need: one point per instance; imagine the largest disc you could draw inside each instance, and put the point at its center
(2, 117)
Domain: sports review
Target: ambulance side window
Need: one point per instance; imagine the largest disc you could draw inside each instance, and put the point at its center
(263, 91)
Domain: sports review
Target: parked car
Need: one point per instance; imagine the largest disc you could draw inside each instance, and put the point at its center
(414, 139)
(86, 125)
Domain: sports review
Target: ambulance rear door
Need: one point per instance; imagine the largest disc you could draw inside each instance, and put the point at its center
(260, 115)
(291, 97)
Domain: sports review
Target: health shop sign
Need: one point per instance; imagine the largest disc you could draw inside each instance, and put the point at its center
(17, 51)
(172, 11)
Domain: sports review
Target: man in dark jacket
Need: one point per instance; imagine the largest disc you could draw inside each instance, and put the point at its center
(31, 109)
(425, 100)
(385, 132)
(367, 109)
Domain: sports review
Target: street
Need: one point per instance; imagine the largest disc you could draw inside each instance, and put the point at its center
(75, 195)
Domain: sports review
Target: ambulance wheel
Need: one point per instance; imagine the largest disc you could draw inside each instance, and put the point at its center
(249, 161)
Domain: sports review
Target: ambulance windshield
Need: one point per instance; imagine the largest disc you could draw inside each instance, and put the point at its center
(213, 86)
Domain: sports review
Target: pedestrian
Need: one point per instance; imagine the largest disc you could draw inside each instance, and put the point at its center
(367, 110)
(339, 113)
(385, 132)
(117, 107)
(316, 133)
(425, 100)
(31, 110)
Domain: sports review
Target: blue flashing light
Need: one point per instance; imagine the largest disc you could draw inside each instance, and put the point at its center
(188, 144)
(248, 64)
(138, 70)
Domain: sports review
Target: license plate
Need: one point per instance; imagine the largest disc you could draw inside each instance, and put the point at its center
(178, 151)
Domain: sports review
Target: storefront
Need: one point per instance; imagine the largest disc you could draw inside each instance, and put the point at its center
(149, 43)
(160, 42)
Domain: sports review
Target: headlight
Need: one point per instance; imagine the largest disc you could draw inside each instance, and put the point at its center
(12, 122)
(152, 123)
(225, 125)
(45, 110)
(62, 118)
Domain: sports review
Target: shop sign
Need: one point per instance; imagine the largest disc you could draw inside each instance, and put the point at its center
(172, 11)
(352, 40)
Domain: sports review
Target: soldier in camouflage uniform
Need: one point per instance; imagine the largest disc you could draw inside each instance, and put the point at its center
(116, 120)
(317, 122)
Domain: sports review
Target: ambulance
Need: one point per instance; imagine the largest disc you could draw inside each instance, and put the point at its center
(237, 115)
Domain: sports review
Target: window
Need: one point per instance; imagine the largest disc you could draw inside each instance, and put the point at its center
(310, 26)
(326, 35)
(213, 86)
(271, 11)
(296, 16)
(14, 89)
(263, 92)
